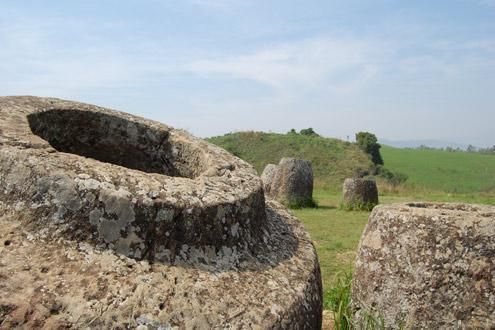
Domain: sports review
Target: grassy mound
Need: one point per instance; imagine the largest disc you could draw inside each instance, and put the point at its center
(332, 160)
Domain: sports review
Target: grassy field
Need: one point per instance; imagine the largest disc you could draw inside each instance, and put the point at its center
(451, 172)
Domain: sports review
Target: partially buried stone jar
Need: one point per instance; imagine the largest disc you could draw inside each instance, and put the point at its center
(360, 193)
(132, 222)
(427, 266)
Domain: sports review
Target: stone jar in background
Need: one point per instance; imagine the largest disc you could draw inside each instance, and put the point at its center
(290, 182)
(360, 193)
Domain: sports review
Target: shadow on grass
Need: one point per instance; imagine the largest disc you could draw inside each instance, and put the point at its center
(327, 207)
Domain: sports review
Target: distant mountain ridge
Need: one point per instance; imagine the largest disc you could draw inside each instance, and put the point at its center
(417, 143)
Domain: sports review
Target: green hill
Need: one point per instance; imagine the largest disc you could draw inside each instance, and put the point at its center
(332, 160)
(454, 172)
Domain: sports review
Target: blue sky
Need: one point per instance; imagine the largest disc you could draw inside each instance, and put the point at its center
(403, 70)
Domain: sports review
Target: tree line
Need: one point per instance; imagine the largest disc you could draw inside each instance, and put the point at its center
(469, 148)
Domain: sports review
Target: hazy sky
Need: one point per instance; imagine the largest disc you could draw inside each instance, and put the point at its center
(401, 69)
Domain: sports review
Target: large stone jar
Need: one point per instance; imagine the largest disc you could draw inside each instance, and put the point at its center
(111, 220)
(427, 265)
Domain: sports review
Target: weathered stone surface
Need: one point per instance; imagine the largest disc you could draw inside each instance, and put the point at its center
(428, 266)
(144, 187)
(87, 191)
(360, 193)
(291, 181)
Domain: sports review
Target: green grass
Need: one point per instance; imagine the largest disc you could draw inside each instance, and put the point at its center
(339, 301)
(332, 160)
(335, 233)
(451, 172)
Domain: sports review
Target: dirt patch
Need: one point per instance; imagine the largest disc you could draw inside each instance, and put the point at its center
(327, 323)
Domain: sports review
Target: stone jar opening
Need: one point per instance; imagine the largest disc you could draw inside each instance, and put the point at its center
(116, 140)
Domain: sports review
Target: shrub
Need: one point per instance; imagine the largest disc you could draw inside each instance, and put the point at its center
(392, 177)
(308, 132)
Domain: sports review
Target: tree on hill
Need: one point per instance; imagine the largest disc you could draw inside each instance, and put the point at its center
(369, 144)
(308, 132)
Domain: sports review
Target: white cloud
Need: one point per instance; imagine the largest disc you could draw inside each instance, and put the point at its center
(336, 84)
(446, 58)
(335, 63)
(40, 57)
